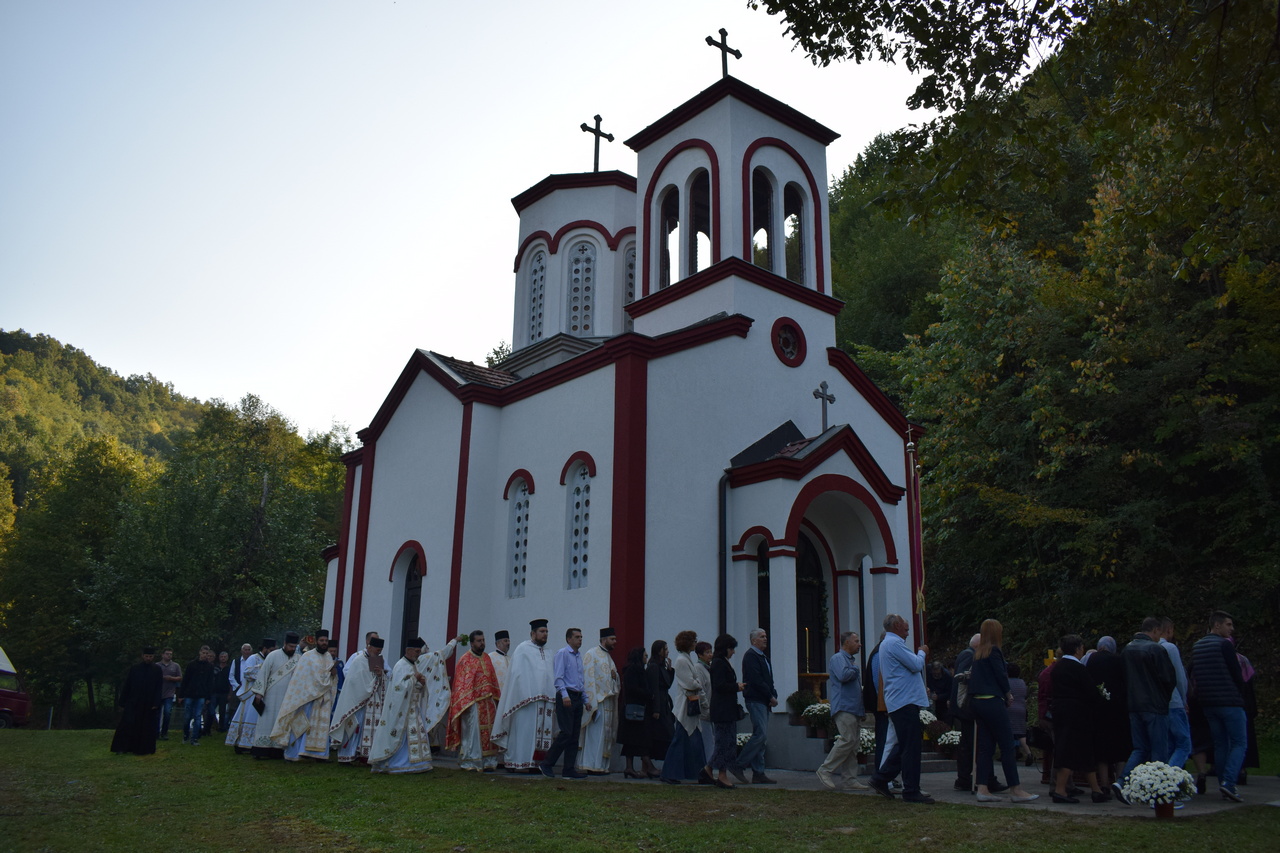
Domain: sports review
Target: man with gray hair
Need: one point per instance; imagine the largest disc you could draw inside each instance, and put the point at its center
(844, 691)
(904, 698)
(760, 695)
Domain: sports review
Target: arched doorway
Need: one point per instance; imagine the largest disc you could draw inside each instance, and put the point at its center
(412, 599)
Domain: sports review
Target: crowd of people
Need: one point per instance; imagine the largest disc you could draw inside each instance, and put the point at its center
(1101, 713)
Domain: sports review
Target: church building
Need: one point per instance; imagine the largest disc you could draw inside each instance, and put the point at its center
(675, 441)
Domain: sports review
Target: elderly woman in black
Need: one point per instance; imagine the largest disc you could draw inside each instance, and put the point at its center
(725, 688)
(659, 715)
(1076, 702)
(989, 687)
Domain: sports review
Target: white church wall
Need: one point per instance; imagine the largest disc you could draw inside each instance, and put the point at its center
(414, 486)
(539, 434)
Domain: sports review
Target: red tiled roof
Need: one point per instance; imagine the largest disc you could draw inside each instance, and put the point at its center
(471, 372)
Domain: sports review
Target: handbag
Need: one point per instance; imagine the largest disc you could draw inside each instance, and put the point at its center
(742, 712)
(964, 701)
(634, 712)
(692, 708)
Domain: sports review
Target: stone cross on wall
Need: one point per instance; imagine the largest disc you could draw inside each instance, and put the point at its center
(586, 128)
(725, 50)
(821, 393)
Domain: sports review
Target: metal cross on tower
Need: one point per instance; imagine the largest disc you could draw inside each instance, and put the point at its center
(725, 50)
(586, 128)
(820, 393)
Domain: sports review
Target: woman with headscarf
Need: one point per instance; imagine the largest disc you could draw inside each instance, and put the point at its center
(1111, 742)
(633, 728)
(1075, 710)
(725, 688)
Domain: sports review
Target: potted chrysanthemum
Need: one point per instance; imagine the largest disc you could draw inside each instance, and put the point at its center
(1159, 784)
(818, 718)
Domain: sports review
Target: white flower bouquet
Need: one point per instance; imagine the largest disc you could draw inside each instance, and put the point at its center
(818, 715)
(742, 739)
(866, 741)
(1157, 782)
(927, 717)
(951, 738)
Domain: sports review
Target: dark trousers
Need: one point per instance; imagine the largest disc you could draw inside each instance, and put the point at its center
(964, 754)
(570, 722)
(685, 757)
(994, 729)
(904, 758)
(218, 709)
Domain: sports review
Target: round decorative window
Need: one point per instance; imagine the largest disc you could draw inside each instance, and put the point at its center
(788, 342)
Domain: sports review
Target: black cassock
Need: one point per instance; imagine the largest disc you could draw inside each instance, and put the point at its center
(140, 698)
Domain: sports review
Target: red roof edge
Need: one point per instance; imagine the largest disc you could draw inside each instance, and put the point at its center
(572, 181)
(848, 368)
(732, 266)
(789, 468)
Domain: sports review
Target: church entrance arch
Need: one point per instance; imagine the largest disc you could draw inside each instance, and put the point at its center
(412, 602)
(408, 570)
(811, 608)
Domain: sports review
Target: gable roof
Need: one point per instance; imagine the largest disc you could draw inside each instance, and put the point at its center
(727, 87)
(572, 181)
(798, 458)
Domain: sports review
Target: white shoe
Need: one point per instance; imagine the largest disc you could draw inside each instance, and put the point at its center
(852, 784)
(824, 776)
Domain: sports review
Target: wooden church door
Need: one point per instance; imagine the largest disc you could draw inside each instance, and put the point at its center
(811, 594)
(412, 605)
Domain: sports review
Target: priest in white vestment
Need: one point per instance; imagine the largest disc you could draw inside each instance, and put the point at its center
(400, 743)
(600, 722)
(359, 704)
(302, 725)
(526, 712)
(438, 692)
(245, 720)
(268, 694)
(499, 657)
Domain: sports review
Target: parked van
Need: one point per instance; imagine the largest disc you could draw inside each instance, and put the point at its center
(15, 704)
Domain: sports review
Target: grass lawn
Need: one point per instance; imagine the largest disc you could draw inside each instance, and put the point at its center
(67, 791)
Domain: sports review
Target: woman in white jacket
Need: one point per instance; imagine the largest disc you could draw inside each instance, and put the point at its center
(686, 757)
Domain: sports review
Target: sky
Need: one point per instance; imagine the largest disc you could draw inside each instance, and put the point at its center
(288, 197)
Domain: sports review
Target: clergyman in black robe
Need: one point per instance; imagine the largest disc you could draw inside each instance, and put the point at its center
(140, 701)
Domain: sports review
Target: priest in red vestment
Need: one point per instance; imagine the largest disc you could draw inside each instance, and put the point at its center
(472, 708)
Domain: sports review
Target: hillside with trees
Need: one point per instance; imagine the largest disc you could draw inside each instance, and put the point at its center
(143, 516)
(1072, 281)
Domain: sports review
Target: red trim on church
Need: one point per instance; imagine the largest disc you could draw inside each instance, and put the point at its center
(362, 537)
(630, 466)
(350, 460)
(578, 456)
(885, 570)
(416, 547)
(740, 268)
(845, 365)
(732, 87)
(460, 519)
(553, 242)
(572, 181)
(789, 468)
(819, 258)
(518, 474)
(648, 213)
(839, 483)
(802, 346)
(758, 530)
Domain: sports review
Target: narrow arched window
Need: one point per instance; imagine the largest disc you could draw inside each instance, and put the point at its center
(537, 294)
(699, 230)
(762, 243)
(629, 283)
(794, 232)
(669, 238)
(577, 526)
(517, 539)
(582, 286)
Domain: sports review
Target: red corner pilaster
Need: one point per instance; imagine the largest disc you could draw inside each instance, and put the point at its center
(630, 463)
(362, 545)
(459, 521)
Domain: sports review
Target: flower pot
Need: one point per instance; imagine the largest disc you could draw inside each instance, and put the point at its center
(1164, 811)
(795, 720)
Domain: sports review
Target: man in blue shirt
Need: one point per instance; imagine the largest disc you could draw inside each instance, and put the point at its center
(904, 698)
(844, 691)
(571, 698)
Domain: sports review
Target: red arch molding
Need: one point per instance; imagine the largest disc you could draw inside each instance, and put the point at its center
(578, 456)
(819, 268)
(553, 242)
(753, 531)
(414, 546)
(518, 474)
(839, 483)
(715, 203)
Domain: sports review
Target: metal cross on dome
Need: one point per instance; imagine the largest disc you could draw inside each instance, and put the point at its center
(586, 128)
(725, 50)
(821, 393)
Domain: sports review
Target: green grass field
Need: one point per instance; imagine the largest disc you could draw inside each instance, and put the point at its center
(67, 791)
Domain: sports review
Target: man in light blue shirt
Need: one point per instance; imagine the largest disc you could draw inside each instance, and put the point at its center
(904, 697)
(1179, 722)
(844, 690)
(571, 698)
